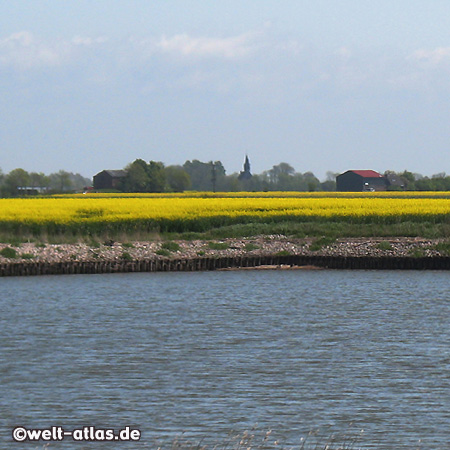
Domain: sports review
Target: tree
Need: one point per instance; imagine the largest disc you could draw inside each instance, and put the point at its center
(156, 177)
(409, 177)
(328, 185)
(285, 169)
(331, 176)
(79, 182)
(281, 172)
(252, 184)
(178, 179)
(14, 180)
(39, 180)
(201, 174)
(312, 181)
(2, 179)
(143, 177)
(232, 184)
(137, 179)
(60, 181)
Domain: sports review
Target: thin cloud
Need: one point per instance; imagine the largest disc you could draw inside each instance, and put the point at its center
(23, 38)
(276, 66)
(23, 50)
(88, 41)
(436, 56)
(185, 45)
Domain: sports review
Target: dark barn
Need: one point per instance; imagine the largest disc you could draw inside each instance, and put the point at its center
(109, 179)
(361, 180)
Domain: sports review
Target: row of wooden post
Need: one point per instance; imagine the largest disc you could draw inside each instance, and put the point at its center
(202, 264)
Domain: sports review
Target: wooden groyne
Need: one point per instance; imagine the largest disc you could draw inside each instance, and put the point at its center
(221, 263)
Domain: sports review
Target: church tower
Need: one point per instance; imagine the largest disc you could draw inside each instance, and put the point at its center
(245, 174)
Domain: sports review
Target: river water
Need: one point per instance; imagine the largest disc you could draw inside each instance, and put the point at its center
(201, 355)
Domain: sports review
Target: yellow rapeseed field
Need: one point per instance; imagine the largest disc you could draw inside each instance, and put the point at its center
(202, 211)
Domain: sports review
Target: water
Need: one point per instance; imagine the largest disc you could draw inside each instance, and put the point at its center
(211, 353)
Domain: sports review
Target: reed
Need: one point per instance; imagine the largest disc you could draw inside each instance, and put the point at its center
(254, 440)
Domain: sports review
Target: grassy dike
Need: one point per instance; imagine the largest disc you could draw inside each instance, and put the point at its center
(332, 229)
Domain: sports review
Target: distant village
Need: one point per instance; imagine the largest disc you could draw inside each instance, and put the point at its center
(153, 176)
(199, 176)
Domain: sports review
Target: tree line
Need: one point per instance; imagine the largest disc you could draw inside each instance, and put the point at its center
(417, 182)
(20, 182)
(153, 176)
(211, 176)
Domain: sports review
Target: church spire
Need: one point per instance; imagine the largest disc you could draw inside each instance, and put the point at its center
(245, 174)
(246, 164)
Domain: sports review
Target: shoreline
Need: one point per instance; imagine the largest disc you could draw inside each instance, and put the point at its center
(258, 253)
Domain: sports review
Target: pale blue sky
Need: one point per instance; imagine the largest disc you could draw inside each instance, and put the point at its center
(323, 85)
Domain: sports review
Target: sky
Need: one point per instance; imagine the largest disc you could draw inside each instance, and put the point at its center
(324, 85)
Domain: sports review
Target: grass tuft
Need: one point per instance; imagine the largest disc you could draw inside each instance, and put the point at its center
(27, 256)
(218, 245)
(126, 256)
(443, 248)
(417, 252)
(324, 241)
(8, 252)
(385, 245)
(283, 253)
(250, 247)
(171, 246)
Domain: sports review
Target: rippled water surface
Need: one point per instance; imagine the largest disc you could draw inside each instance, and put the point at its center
(209, 353)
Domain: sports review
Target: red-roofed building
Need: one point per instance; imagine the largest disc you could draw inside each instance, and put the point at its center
(361, 180)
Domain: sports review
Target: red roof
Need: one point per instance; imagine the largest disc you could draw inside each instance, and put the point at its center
(367, 173)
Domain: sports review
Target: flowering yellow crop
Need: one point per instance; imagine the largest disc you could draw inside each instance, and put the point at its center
(184, 213)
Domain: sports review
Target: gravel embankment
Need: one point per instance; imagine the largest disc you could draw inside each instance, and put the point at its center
(263, 245)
